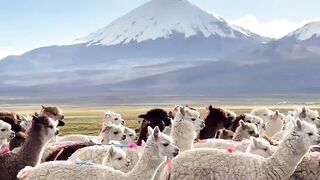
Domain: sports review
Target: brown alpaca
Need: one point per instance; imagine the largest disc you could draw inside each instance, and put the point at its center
(53, 112)
(224, 134)
(215, 120)
(236, 123)
(42, 130)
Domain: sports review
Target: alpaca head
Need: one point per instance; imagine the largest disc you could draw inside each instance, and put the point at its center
(131, 135)
(231, 116)
(276, 116)
(116, 158)
(113, 132)
(261, 147)
(246, 130)
(5, 131)
(45, 126)
(187, 115)
(309, 115)
(307, 133)
(54, 113)
(153, 118)
(114, 118)
(163, 142)
(219, 117)
(14, 125)
(224, 134)
(254, 119)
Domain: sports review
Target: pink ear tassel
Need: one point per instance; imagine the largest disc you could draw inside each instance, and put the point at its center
(133, 146)
(230, 150)
(6, 150)
(315, 155)
(169, 162)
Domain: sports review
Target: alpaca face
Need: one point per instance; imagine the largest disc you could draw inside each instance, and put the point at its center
(54, 113)
(246, 130)
(307, 132)
(114, 118)
(131, 136)
(255, 120)
(193, 117)
(113, 132)
(164, 143)
(116, 158)
(5, 131)
(46, 126)
(231, 115)
(311, 116)
(261, 147)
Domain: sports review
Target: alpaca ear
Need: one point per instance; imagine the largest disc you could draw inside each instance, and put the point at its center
(255, 141)
(242, 125)
(277, 112)
(303, 114)
(156, 132)
(299, 124)
(142, 116)
(112, 151)
(43, 107)
(150, 130)
(209, 108)
(182, 111)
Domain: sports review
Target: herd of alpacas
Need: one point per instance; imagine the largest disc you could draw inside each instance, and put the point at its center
(178, 145)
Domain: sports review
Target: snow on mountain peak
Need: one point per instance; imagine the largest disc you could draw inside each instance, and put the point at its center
(307, 31)
(160, 19)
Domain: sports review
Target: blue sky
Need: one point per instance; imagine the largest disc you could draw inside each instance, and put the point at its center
(28, 24)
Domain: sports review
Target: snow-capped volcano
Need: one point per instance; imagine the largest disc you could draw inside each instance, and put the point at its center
(160, 19)
(306, 32)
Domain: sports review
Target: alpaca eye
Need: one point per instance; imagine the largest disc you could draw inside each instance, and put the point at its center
(249, 121)
(313, 119)
(115, 133)
(310, 134)
(194, 119)
(116, 119)
(251, 132)
(165, 144)
(3, 129)
(120, 158)
(130, 135)
(51, 126)
(265, 149)
(265, 114)
(318, 117)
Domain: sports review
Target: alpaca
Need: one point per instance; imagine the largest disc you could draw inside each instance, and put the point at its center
(261, 147)
(26, 122)
(43, 129)
(16, 118)
(131, 136)
(157, 147)
(114, 118)
(116, 158)
(220, 164)
(110, 132)
(9, 118)
(224, 134)
(306, 114)
(273, 124)
(247, 118)
(244, 131)
(153, 118)
(308, 168)
(5, 134)
(231, 116)
(263, 113)
(53, 112)
(58, 151)
(185, 125)
(215, 120)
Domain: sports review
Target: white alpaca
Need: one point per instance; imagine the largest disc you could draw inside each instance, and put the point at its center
(157, 147)
(255, 120)
(5, 135)
(245, 131)
(230, 115)
(273, 124)
(131, 136)
(112, 117)
(110, 132)
(261, 147)
(308, 168)
(263, 113)
(26, 122)
(223, 144)
(219, 164)
(307, 114)
(185, 125)
(116, 158)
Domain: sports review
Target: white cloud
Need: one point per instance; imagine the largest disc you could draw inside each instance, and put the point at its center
(6, 51)
(275, 29)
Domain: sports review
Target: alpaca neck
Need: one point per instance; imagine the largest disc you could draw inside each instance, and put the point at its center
(32, 149)
(183, 135)
(285, 160)
(148, 163)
